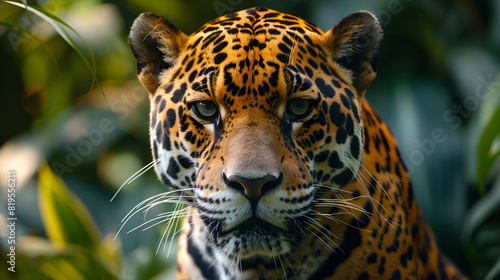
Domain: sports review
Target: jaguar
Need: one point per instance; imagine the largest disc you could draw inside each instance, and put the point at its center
(259, 124)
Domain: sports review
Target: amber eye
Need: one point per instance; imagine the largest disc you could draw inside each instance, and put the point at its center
(205, 109)
(299, 107)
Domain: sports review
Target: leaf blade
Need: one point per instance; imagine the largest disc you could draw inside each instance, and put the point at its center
(54, 21)
(65, 218)
(485, 159)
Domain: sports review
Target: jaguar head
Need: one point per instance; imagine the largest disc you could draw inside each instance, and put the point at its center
(253, 116)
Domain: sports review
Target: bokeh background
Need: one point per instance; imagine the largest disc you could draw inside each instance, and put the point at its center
(437, 87)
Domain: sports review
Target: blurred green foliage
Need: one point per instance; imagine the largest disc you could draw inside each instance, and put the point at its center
(438, 74)
(79, 252)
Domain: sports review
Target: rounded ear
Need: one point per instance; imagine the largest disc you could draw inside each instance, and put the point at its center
(156, 44)
(354, 44)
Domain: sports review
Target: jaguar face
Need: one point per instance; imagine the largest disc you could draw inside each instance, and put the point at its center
(253, 117)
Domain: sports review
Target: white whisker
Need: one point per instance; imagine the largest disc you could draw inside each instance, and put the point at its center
(147, 204)
(373, 178)
(321, 239)
(136, 175)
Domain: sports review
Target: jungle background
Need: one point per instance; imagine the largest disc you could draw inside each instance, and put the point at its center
(75, 105)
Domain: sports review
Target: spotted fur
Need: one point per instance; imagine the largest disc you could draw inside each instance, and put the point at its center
(259, 119)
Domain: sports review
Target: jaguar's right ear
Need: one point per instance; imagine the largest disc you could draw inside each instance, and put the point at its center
(156, 44)
(354, 43)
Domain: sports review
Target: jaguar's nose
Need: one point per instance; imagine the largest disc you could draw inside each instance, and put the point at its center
(253, 188)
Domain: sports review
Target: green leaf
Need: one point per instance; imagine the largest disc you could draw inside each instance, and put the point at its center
(494, 272)
(480, 212)
(59, 26)
(486, 156)
(65, 218)
(75, 264)
(80, 265)
(33, 270)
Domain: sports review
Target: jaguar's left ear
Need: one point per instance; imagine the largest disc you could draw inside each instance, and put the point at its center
(354, 43)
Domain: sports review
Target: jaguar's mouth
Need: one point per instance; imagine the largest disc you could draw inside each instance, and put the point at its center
(254, 237)
(254, 225)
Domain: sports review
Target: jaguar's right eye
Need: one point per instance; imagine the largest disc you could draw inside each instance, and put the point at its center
(299, 109)
(205, 110)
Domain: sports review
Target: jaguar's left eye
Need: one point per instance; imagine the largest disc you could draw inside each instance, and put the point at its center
(206, 110)
(299, 108)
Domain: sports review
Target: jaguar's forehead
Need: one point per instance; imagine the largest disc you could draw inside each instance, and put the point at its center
(249, 50)
(256, 23)
(252, 35)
